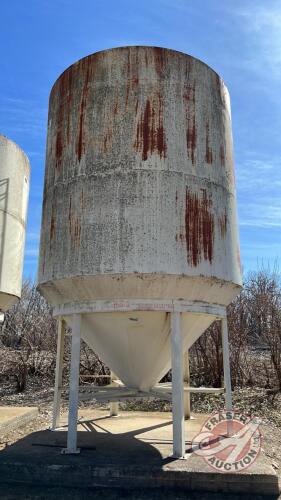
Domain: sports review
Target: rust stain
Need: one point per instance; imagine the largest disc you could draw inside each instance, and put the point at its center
(146, 59)
(191, 137)
(208, 153)
(76, 232)
(74, 226)
(199, 227)
(129, 62)
(52, 225)
(69, 209)
(189, 95)
(59, 145)
(188, 69)
(150, 136)
(132, 76)
(115, 110)
(82, 200)
(218, 83)
(222, 155)
(223, 224)
(80, 141)
(107, 142)
(44, 260)
(191, 132)
(135, 81)
(159, 60)
(63, 115)
(218, 87)
(136, 107)
(66, 87)
(180, 237)
(128, 88)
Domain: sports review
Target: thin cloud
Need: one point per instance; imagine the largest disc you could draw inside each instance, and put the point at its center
(258, 186)
(262, 24)
(22, 116)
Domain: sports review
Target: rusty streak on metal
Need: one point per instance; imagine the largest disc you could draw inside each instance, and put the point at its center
(74, 226)
(218, 85)
(146, 59)
(222, 155)
(151, 136)
(223, 224)
(199, 227)
(82, 200)
(180, 237)
(188, 69)
(132, 77)
(115, 110)
(107, 142)
(191, 133)
(43, 260)
(159, 60)
(64, 107)
(52, 225)
(80, 142)
(208, 153)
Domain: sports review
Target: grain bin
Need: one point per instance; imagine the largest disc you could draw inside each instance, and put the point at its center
(14, 188)
(139, 211)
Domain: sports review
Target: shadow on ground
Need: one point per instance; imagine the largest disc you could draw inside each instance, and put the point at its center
(97, 444)
(135, 464)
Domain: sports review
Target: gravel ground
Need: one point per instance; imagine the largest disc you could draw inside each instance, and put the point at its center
(255, 402)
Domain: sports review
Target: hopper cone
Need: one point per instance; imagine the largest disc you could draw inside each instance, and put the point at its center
(136, 344)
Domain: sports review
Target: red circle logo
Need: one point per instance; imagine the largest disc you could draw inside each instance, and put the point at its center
(228, 441)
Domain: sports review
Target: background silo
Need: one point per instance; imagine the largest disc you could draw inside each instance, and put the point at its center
(14, 189)
(139, 202)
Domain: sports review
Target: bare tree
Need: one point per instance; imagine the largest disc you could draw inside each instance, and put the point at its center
(28, 337)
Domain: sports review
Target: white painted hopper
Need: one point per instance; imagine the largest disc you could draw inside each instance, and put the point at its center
(14, 188)
(139, 203)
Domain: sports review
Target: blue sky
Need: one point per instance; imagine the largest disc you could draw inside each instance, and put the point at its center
(240, 39)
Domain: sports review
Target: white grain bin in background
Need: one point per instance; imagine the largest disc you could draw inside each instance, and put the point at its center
(139, 210)
(14, 189)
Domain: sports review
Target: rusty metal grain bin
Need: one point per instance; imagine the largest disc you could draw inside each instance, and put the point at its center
(14, 188)
(139, 198)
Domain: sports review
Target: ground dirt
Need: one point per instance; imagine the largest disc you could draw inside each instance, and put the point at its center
(256, 402)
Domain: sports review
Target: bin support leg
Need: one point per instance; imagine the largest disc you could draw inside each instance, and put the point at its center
(74, 387)
(226, 372)
(177, 386)
(114, 406)
(58, 377)
(186, 380)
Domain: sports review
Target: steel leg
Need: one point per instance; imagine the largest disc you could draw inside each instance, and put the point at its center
(177, 386)
(58, 377)
(186, 379)
(114, 406)
(74, 386)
